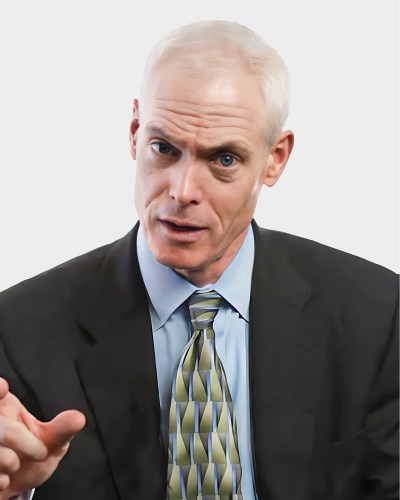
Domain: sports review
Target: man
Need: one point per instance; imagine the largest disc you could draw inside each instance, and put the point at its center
(302, 338)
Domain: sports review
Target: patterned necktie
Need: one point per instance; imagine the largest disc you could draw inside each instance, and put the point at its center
(203, 458)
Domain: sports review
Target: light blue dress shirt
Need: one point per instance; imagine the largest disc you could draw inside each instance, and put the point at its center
(168, 293)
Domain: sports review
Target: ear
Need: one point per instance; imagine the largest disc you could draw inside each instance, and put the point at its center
(134, 128)
(278, 157)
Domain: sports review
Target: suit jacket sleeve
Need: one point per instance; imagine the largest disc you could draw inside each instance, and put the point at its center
(382, 425)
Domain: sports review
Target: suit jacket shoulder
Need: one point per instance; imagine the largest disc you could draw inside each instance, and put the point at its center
(347, 277)
(59, 284)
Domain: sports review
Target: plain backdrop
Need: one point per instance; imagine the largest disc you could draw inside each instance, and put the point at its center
(69, 73)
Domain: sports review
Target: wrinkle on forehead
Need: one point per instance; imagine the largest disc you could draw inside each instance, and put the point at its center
(201, 110)
(203, 116)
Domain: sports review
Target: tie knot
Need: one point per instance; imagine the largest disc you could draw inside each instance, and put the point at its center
(203, 308)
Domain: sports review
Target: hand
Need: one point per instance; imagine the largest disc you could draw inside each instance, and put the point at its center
(30, 450)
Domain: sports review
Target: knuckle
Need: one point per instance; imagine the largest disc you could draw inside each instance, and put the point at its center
(8, 430)
(15, 437)
(4, 481)
(9, 461)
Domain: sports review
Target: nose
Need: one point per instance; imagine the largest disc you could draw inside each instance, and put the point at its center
(186, 184)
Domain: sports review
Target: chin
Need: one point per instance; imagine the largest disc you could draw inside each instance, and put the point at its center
(180, 263)
(184, 260)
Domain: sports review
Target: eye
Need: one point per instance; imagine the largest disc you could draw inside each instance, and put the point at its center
(227, 160)
(161, 147)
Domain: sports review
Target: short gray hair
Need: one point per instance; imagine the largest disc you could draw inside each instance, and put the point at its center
(233, 42)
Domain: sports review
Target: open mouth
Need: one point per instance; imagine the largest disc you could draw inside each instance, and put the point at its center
(181, 228)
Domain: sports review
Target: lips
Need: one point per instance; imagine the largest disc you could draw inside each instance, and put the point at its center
(182, 232)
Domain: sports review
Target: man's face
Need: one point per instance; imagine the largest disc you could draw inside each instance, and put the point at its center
(202, 157)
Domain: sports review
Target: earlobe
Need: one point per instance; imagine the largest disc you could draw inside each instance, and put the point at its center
(134, 128)
(278, 157)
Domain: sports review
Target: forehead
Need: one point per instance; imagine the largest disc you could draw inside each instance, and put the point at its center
(215, 103)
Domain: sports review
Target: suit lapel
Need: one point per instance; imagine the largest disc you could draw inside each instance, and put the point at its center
(118, 373)
(285, 364)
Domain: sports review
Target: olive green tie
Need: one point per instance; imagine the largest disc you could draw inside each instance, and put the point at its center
(203, 457)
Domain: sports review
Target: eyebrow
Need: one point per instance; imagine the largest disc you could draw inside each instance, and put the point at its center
(155, 129)
(232, 146)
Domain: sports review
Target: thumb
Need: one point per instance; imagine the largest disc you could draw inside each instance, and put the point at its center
(57, 433)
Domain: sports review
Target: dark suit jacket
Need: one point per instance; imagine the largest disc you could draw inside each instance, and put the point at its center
(323, 372)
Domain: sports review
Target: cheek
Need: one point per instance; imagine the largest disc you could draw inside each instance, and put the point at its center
(241, 197)
(150, 186)
(142, 187)
(255, 192)
(236, 208)
(138, 199)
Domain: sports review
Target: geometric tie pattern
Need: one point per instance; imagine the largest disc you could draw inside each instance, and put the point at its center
(203, 454)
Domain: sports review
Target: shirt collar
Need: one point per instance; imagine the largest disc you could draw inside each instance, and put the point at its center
(167, 290)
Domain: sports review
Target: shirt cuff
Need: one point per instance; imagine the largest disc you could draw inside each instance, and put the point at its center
(27, 495)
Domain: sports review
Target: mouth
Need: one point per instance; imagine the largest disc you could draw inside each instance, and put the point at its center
(182, 229)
